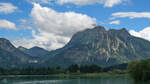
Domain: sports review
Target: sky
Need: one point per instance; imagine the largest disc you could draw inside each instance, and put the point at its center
(50, 24)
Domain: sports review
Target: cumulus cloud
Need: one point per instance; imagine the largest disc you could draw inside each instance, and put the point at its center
(131, 15)
(5, 24)
(115, 22)
(107, 3)
(145, 33)
(7, 8)
(56, 28)
(66, 24)
(44, 40)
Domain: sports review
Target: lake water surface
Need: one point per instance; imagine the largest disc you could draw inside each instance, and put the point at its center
(50, 80)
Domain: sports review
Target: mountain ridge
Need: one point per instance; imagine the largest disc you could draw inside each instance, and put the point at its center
(91, 46)
(34, 51)
(102, 47)
(11, 57)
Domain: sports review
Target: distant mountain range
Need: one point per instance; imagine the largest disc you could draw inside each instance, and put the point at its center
(34, 52)
(92, 46)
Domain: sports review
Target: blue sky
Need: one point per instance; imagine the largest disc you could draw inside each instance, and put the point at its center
(51, 23)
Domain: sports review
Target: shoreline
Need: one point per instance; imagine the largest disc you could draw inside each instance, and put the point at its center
(72, 75)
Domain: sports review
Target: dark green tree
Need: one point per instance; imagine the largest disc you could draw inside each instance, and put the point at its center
(73, 68)
(90, 69)
(139, 70)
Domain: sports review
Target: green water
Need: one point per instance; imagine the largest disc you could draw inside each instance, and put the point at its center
(50, 80)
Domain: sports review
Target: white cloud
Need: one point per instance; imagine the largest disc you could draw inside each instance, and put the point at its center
(5, 24)
(107, 3)
(131, 15)
(145, 33)
(44, 40)
(67, 23)
(56, 28)
(115, 22)
(40, 1)
(7, 8)
(25, 24)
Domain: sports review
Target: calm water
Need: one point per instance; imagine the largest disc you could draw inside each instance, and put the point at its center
(49, 80)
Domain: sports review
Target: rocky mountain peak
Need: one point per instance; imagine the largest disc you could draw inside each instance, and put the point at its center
(22, 48)
(6, 45)
(99, 28)
(102, 47)
(3, 41)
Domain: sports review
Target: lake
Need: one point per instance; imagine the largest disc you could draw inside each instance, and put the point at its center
(52, 80)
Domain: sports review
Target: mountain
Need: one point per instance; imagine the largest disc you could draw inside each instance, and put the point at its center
(11, 57)
(22, 49)
(91, 46)
(34, 52)
(100, 46)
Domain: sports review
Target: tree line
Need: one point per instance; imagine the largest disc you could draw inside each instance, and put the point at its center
(139, 70)
(74, 68)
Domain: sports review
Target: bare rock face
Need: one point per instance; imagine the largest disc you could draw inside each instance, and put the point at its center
(102, 47)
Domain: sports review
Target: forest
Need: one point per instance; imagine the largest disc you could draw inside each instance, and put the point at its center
(138, 70)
